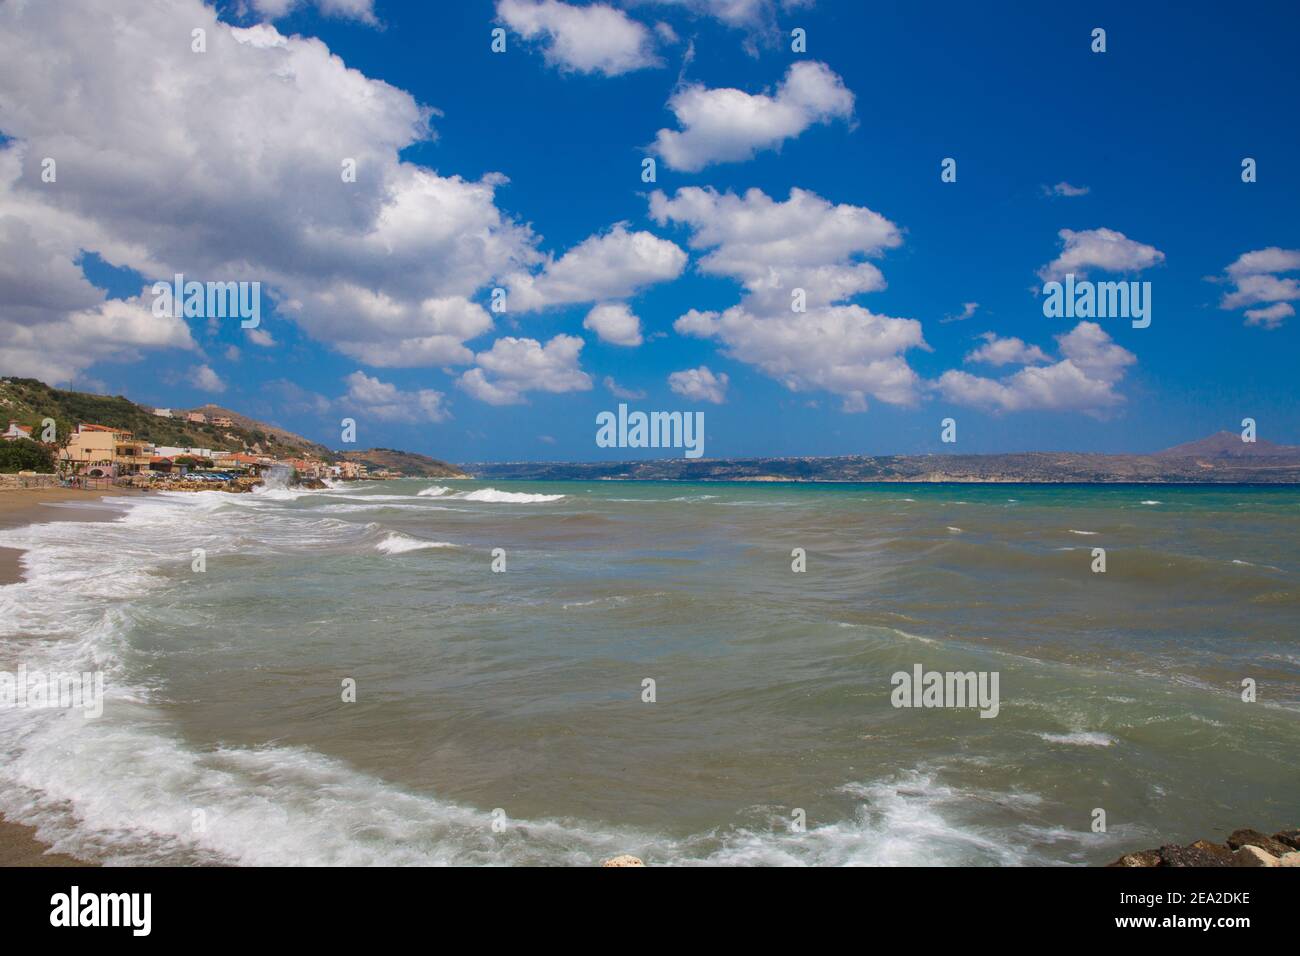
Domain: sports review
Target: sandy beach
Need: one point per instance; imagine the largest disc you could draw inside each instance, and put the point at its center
(20, 506)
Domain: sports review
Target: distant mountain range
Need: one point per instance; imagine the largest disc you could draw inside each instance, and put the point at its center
(407, 462)
(1219, 459)
(1230, 445)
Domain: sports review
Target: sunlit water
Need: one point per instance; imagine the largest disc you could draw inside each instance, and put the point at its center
(225, 738)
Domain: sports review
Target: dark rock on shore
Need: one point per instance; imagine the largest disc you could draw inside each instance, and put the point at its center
(1140, 858)
(1240, 838)
(1200, 853)
(1244, 847)
(1290, 837)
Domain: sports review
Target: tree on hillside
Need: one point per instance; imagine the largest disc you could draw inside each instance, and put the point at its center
(23, 454)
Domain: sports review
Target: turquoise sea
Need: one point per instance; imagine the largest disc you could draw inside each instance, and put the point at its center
(499, 715)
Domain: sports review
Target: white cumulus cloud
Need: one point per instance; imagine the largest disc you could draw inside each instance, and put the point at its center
(1256, 280)
(1084, 379)
(363, 10)
(729, 125)
(204, 379)
(777, 250)
(615, 323)
(700, 384)
(753, 16)
(1008, 351)
(610, 265)
(1103, 249)
(618, 391)
(384, 401)
(514, 366)
(596, 38)
(383, 268)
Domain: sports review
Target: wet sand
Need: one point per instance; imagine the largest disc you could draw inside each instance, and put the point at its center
(19, 847)
(20, 506)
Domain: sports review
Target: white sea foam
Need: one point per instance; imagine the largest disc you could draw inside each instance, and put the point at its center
(1251, 564)
(398, 543)
(433, 491)
(1153, 502)
(1073, 531)
(1080, 738)
(505, 497)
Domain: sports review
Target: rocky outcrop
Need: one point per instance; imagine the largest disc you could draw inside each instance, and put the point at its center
(1290, 837)
(1240, 838)
(624, 860)
(1244, 847)
(179, 483)
(1140, 858)
(1254, 856)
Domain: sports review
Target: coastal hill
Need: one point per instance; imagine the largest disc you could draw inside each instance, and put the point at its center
(1210, 461)
(407, 462)
(30, 401)
(1230, 445)
(274, 435)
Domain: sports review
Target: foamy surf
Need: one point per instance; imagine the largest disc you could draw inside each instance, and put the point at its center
(398, 543)
(492, 496)
(1080, 738)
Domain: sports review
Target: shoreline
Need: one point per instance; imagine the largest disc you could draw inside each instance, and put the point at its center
(26, 506)
(22, 846)
(19, 844)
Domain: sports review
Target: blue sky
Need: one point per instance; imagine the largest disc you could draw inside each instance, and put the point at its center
(221, 169)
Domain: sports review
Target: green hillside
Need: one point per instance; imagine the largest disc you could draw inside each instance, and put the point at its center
(29, 402)
(407, 462)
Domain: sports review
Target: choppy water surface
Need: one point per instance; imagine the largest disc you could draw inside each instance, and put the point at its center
(522, 690)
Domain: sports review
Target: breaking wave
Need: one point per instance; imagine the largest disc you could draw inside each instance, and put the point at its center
(398, 543)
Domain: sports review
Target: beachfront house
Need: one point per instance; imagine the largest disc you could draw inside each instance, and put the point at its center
(223, 421)
(196, 417)
(101, 451)
(309, 467)
(16, 431)
(163, 412)
(238, 461)
(175, 451)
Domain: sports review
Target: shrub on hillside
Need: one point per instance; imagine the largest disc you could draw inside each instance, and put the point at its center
(23, 454)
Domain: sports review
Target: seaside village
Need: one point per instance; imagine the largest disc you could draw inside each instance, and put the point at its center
(96, 455)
